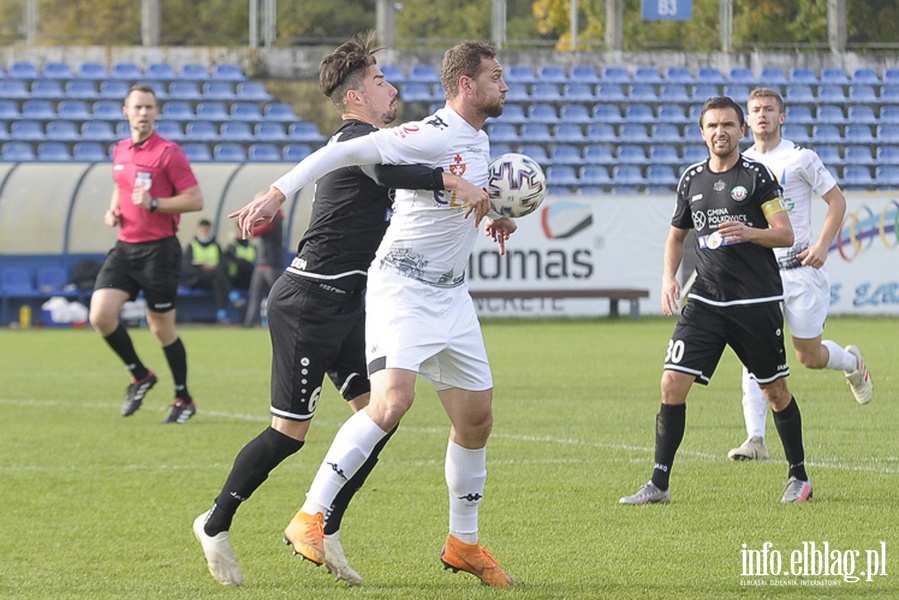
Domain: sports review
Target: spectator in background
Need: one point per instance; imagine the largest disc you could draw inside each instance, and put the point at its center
(205, 268)
(154, 184)
(240, 256)
(268, 239)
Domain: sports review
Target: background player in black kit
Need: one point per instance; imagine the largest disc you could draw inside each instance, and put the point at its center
(315, 309)
(735, 205)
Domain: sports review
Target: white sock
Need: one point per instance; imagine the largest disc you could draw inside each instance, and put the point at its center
(755, 407)
(466, 475)
(839, 359)
(351, 447)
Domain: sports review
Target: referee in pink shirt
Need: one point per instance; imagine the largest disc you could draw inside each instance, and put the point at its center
(154, 184)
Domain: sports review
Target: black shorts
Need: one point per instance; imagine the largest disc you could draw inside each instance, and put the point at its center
(153, 267)
(754, 331)
(314, 332)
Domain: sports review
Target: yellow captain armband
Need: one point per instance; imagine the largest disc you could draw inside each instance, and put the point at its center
(773, 206)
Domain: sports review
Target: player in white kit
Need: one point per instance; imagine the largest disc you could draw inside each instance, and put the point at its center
(805, 281)
(420, 318)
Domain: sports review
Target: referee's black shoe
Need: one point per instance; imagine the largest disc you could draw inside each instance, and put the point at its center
(135, 393)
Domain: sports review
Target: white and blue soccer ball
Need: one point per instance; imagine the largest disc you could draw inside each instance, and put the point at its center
(516, 184)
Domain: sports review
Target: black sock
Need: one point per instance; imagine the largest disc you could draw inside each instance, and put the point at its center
(346, 493)
(176, 355)
(121, 344)
(789, 428)
(251, 468)
(670, 424)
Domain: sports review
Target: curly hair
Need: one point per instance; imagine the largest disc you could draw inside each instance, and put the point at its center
(344, 69)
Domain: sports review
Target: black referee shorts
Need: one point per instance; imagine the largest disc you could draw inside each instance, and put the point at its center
(150, 266)
(314, 332)
(754, 331)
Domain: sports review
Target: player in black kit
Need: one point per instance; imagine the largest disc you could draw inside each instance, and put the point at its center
(316, 310)
(735, 205)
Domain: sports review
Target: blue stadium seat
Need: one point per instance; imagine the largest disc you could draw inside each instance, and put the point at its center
(862, 93)
(584, 74)
(563, 154)
(641, 93)
(607, 113)
(594, 175)
(552, 74)
(177, 110)
(304, 131)
(613, 74)
(601, 133)
(739, 92)
(741, 75)
(866, 75)
(710, 75)
(14, 89)
(53, 152)
(665, 133)
(662, 175)
(89, 152)
(279, 111)
(631, 154)
(193, 72)
(219, 90)
(624, 190)
(639, 113)
(545, 92)
(264, 152)
(702, 92)
(270, 132)
(98, 131)
(170, 130)
(633, 133)
(646, 75)
(611, 93)
(598, 154)
(858, 134)
(212, 111)
(887, 134)
(628, 175)
(889, 94)
(676, 93)
(201, 131)
(829, 155)
(503, 133)
(857, 177)
(23, 69)
(862, 114)
(247, 111)
(577, 92)
(417, 91)
(890, 76)
(82, 89)
(47, 89)
(17, 281)
(574, 113)
(887, 176)
(887, 154)
(834, 94)
(424, 74)
(800, 135)
(91, 71)
(536, 151)
(63, 131)
(197, 152)
(858, 155)
(799, 93)
(185, 90)
(681, 75)
(127, 71)
(664, 154)
(830, 113)
(52, 279)
(160, 71)
(57, 70)
(17, 152)
(834, 76)
(394, 74)
(252, 91)
(519, 74)
(9, 110)
(497, 150)
(889, 115)
(518, 92)
(27, 131)
(803, 75)
(513, 113)
(569, 133)
(235, 131)
(228, 72)
(542, 113)
(229, 152)
(800, 114)
(108, 110)
(38, 110)
(561, 175)
(295, 152)
(694, 153)
(536, 133)
(772, 77)
(113, 89)
(674, 114)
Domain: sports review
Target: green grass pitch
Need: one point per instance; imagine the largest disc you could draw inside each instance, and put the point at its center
(98, 506)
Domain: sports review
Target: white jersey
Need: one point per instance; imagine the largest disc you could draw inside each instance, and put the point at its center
(802, 176)
(428, 238)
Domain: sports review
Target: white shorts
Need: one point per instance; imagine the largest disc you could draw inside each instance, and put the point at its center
(806, 300)
(430, 330)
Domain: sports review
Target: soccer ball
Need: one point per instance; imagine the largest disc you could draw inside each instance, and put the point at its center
(516, 185)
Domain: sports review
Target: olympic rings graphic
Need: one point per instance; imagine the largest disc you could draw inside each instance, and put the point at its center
(863, 226)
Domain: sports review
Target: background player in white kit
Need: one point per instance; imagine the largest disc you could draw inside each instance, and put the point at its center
(805, 282)
(420, 318)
